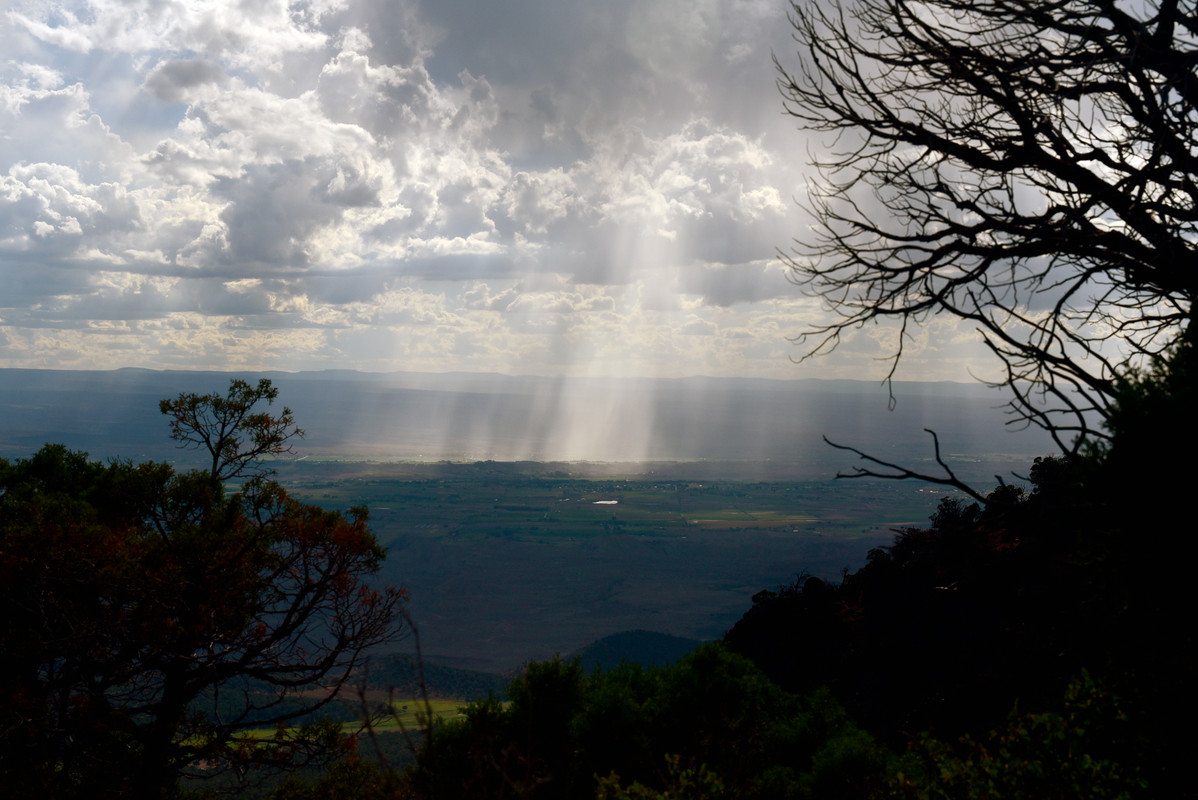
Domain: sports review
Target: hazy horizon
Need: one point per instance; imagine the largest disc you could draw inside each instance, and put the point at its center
(425, 417)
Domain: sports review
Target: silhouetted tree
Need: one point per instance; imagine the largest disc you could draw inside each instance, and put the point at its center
(998, 604)
(1027, 167)
(234, 434)
(151, 620)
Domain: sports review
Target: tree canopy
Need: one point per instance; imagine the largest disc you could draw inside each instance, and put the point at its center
(689, 729)
(234, 434)
(152, 619)
(1027, 167)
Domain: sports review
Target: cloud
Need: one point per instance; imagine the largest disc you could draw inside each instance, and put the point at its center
(535, 201)
(543, 187)
(175, 81)
(247, 35)
(48, 212)
(479, 296)
(47, 120)
(699, 327)
(274, 212)
(728, 284)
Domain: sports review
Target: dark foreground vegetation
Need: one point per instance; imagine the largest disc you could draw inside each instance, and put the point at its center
(165, 637)
(152, 619)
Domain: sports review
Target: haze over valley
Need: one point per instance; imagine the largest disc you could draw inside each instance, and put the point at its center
(530, 516)
(478, 417)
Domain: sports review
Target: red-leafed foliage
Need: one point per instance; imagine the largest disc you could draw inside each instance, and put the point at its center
(151, 619)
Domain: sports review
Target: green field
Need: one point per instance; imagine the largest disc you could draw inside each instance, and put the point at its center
(511, 562)
(407, 714)
(411, 714)
(480, 501)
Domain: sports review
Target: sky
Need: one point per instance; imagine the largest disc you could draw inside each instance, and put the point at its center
(540, 187)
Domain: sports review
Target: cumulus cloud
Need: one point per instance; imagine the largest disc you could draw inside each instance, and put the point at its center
(543, 187)
(47, 212)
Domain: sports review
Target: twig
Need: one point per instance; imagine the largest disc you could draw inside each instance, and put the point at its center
(902, 473)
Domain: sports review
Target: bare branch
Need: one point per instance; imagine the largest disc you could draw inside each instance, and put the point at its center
(902, 473)
(1027, 167)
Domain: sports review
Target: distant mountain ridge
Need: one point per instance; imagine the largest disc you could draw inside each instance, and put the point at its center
(486, 416)
(401, 673)
(647, 648)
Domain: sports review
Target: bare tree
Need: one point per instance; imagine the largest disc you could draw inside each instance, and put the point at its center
(1029, 167)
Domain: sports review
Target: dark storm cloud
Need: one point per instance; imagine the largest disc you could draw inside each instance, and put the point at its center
(173, 81)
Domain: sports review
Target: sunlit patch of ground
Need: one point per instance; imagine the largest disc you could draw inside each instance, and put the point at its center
(412, 714)
(741, 519)
(408, 714)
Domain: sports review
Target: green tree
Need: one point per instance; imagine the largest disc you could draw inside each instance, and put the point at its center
(1053, 754)
(152, 619)
(1026, 167)
(712, 720)
(684, 784)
